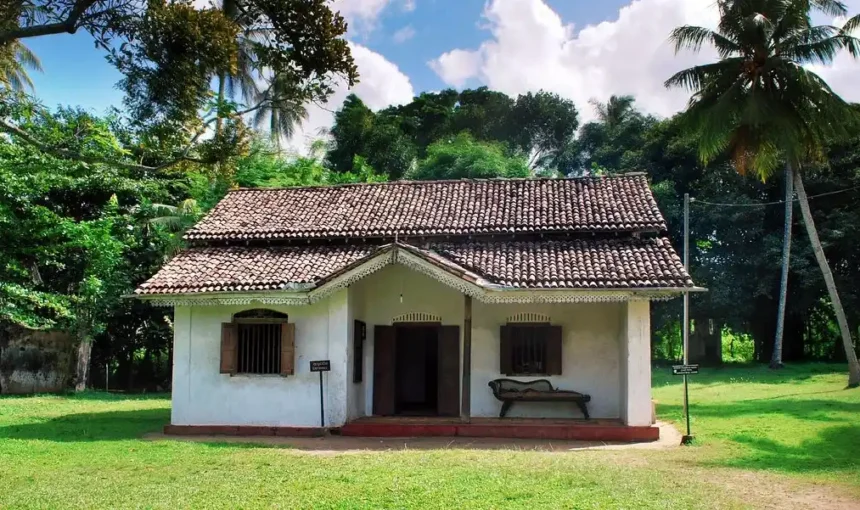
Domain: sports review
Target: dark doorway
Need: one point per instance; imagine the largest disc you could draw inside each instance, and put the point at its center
(416, 371)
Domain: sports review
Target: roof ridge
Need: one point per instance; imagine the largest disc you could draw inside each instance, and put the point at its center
(444, 181)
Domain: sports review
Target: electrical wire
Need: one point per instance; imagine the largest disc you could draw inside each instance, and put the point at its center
(694, 201)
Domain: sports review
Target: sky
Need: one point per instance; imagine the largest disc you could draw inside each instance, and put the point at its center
(581, 49)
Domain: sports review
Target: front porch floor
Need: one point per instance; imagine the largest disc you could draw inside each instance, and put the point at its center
(512, 428)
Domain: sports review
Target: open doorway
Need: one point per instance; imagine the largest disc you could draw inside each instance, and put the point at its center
(417, 371)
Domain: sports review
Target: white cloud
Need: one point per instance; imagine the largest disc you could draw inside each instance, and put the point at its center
(382, 84)
(408, 5)
(458, 66)
(361, 15)
(404, 34)
(531, 48)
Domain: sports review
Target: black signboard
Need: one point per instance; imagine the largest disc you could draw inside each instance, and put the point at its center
(685, 369)
(321, 366)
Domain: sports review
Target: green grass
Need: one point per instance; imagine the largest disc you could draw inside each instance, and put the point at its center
(755, 430)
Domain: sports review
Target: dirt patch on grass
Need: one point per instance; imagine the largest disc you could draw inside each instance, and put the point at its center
(766, 491)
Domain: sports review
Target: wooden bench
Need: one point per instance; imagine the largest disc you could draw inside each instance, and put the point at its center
(509, 391)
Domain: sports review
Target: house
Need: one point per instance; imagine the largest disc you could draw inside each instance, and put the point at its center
(418, 294)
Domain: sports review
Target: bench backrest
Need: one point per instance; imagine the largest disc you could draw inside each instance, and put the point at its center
(503, 385)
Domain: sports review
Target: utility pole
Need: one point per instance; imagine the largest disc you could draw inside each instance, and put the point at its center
(688, 438)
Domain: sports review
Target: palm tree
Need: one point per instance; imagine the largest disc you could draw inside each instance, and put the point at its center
(15, 60)
(615, 111)
(761, 105)
(281, 113)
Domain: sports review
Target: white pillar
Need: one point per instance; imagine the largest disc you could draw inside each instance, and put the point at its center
(181, 380)
(336, 383)
(636, 364)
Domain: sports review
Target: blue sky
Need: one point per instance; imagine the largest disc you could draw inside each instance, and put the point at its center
(76, 73)
(583, 50)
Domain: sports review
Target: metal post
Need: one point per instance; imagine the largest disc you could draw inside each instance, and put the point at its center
(107, 375)
(688, 437)
(322, 406)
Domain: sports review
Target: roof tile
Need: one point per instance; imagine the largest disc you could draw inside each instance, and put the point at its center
(574, 264)
(463, 207)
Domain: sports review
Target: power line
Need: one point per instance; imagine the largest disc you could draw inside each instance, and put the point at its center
(765, 204)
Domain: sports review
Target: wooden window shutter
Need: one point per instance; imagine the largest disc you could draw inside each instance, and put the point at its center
(288, 348)
(506, 352)
(553, 350)
(229, 346)
(448, 391)
(384, 361)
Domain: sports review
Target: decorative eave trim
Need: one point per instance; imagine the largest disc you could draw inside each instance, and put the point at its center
(451, 275)
(227, 298)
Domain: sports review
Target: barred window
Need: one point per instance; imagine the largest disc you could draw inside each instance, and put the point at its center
(530, 349)
(258, 342)
(259, 349)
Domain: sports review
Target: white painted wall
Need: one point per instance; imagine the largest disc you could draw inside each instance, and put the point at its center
(590, 352)
(203, 396)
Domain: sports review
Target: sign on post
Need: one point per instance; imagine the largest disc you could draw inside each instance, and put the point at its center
(685, 369)
(321, 366)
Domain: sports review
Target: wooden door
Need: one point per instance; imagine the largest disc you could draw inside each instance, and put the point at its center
(449, 371)
(384, 356)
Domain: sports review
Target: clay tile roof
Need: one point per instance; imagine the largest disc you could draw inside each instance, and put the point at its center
(461, 207)
(240, 268)
(571, 264)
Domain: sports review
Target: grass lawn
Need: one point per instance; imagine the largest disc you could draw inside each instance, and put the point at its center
(764, 440)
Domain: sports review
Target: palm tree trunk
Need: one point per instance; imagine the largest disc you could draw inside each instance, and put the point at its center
(853, 366)
(776, 359)
(219, 121)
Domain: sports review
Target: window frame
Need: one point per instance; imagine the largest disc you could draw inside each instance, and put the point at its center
(551, 333)
(247, 318)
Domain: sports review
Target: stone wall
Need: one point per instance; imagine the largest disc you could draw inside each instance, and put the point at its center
(35, 361)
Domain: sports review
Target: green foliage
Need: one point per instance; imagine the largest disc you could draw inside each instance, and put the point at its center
(377, 139)
(546, 124)
(760, 102)
(31, 308)
(612, 144)
(172, 52)
(463, 157)
(536, 126)
(169, 51)
(265, 168)
(15, 60)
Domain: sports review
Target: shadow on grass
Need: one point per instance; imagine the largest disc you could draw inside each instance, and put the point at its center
(748, 373)
(95, 396)
(106, 426)
(834, 449)
(813, 410)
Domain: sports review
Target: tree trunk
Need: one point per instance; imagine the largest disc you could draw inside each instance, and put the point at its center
(219, 121)
(776, 359)
(85, 349)
(847, 344)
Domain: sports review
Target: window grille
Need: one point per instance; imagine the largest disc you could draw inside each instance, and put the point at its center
(529, 349)
(259, 349)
